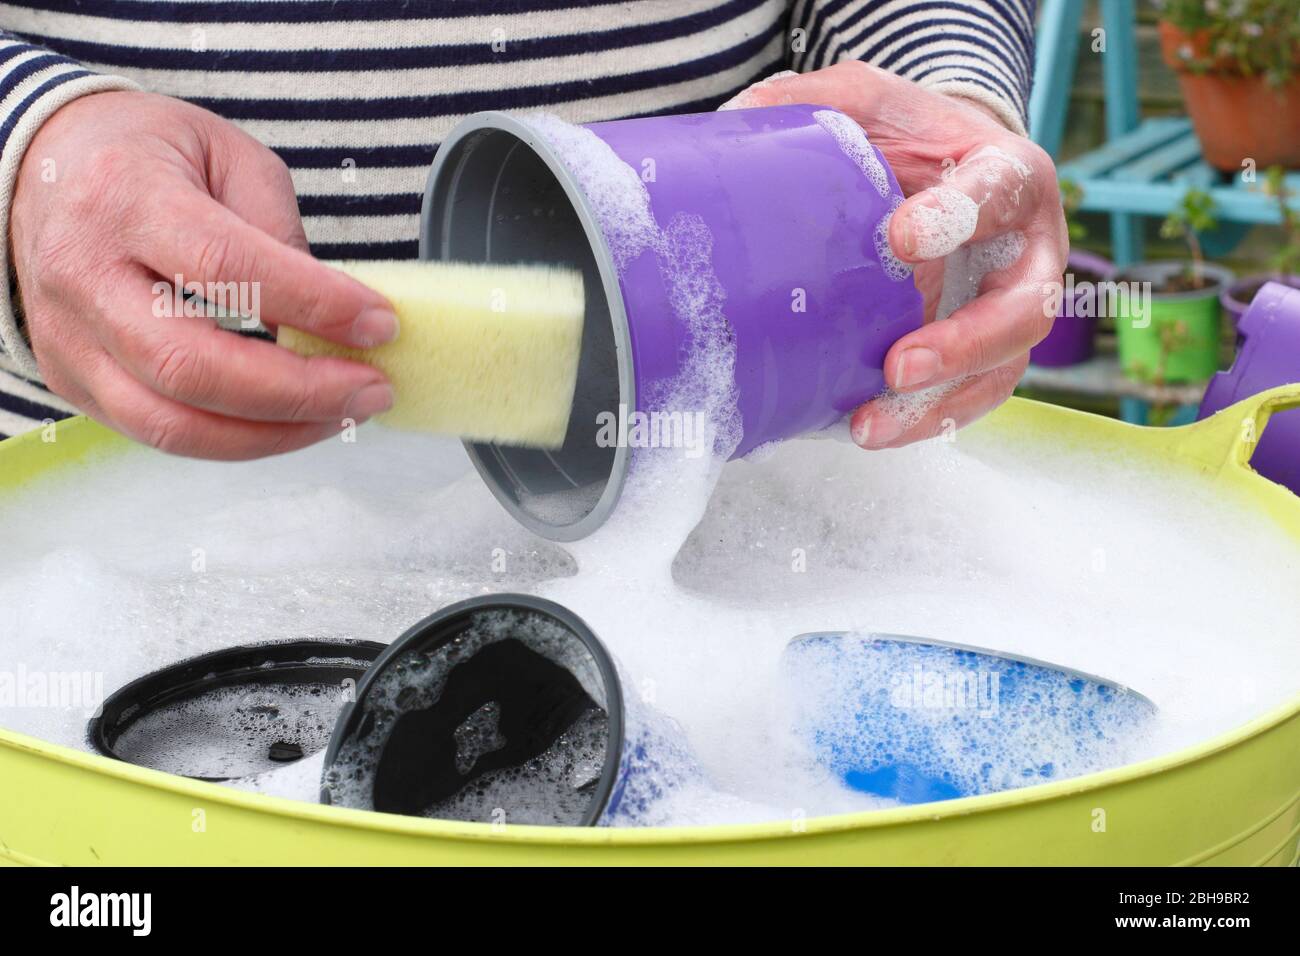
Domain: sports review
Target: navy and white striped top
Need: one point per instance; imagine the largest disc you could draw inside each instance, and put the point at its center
(354, 95)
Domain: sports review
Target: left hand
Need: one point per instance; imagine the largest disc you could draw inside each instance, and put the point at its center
(967, 178)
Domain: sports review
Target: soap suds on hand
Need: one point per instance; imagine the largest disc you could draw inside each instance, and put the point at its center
(940, 229)
(746, 98)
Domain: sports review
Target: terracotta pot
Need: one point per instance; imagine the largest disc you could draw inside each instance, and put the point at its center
(1236, 117)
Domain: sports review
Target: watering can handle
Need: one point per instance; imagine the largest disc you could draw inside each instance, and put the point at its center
(1247, 419)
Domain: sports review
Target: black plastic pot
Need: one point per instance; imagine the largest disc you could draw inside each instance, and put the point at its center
(233, 712)
(477, 696)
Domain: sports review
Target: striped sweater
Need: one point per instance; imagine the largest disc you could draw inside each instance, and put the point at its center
(354, 95)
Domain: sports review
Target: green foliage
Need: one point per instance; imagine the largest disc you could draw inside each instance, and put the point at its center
(1071, 200)
(1193, 215)
(1286, 260)
(1260, 37)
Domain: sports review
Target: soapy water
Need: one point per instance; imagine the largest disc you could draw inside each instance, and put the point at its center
(698, 581)
(1108, 566)
(551, 787)
(554, 788)
(562, 784)
(233, 731)
(896, 718)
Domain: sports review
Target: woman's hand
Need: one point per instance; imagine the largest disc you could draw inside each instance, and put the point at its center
(119, 192)
(968, 179)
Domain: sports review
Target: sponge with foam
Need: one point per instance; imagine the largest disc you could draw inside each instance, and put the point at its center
(486, 352)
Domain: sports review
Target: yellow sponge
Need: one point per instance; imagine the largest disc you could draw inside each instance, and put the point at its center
(486, 352)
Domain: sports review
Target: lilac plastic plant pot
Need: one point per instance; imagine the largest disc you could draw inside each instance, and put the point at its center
(1236, 298)
(1268, 355)
(1071, 339)
(796, 226)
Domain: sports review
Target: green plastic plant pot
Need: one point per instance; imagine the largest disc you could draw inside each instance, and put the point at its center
(1140, 326)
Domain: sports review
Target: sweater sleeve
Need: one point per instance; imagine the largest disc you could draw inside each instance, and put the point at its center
(979, 49)
(34, 82)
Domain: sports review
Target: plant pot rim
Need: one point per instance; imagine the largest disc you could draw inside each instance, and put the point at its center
(1217, 278)
(1242, 282)
(1091, 261)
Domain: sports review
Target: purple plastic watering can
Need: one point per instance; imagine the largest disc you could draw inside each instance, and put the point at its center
(761, 230)
(1268, 355)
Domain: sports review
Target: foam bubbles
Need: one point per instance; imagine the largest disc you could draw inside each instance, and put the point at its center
(852, 139)
(1109, 566)
(234, 731)
(894, 267)
(941, 228)
(908, 408)
(748, 98)
(613, 189)
(924, 721)
(965, 268)
(551, 787)
(704, 384)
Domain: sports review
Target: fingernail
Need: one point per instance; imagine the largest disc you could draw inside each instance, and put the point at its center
(876, 430)
(908, 249)
(374, 327)
(916, 366)
(368, 401)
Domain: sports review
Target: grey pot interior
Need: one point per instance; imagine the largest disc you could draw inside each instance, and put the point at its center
(497, 193)
(1217, 278)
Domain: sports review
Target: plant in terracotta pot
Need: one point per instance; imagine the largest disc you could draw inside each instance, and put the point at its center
(1071, 339)
(1238, 64)
(1167, 322)
(1285, 261)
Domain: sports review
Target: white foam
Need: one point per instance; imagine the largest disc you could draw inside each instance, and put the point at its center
(965, 268)
(613, 189)
(998, 170)
(229, 732)
(1107, 566)
(940, 229)
(703, 387)
(908, 408)
(748, 98)
(894, 267)
(853, 140)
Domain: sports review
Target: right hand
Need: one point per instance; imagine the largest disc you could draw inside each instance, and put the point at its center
(120, 190)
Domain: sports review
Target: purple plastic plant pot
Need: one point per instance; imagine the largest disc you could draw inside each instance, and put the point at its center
(1268, 355)
(774, 218)
(1236, 297)
(1071, 339)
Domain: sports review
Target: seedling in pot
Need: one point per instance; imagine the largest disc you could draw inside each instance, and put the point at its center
(1193, 215)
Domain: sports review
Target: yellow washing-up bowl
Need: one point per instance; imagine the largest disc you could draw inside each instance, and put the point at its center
(1234, 799)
